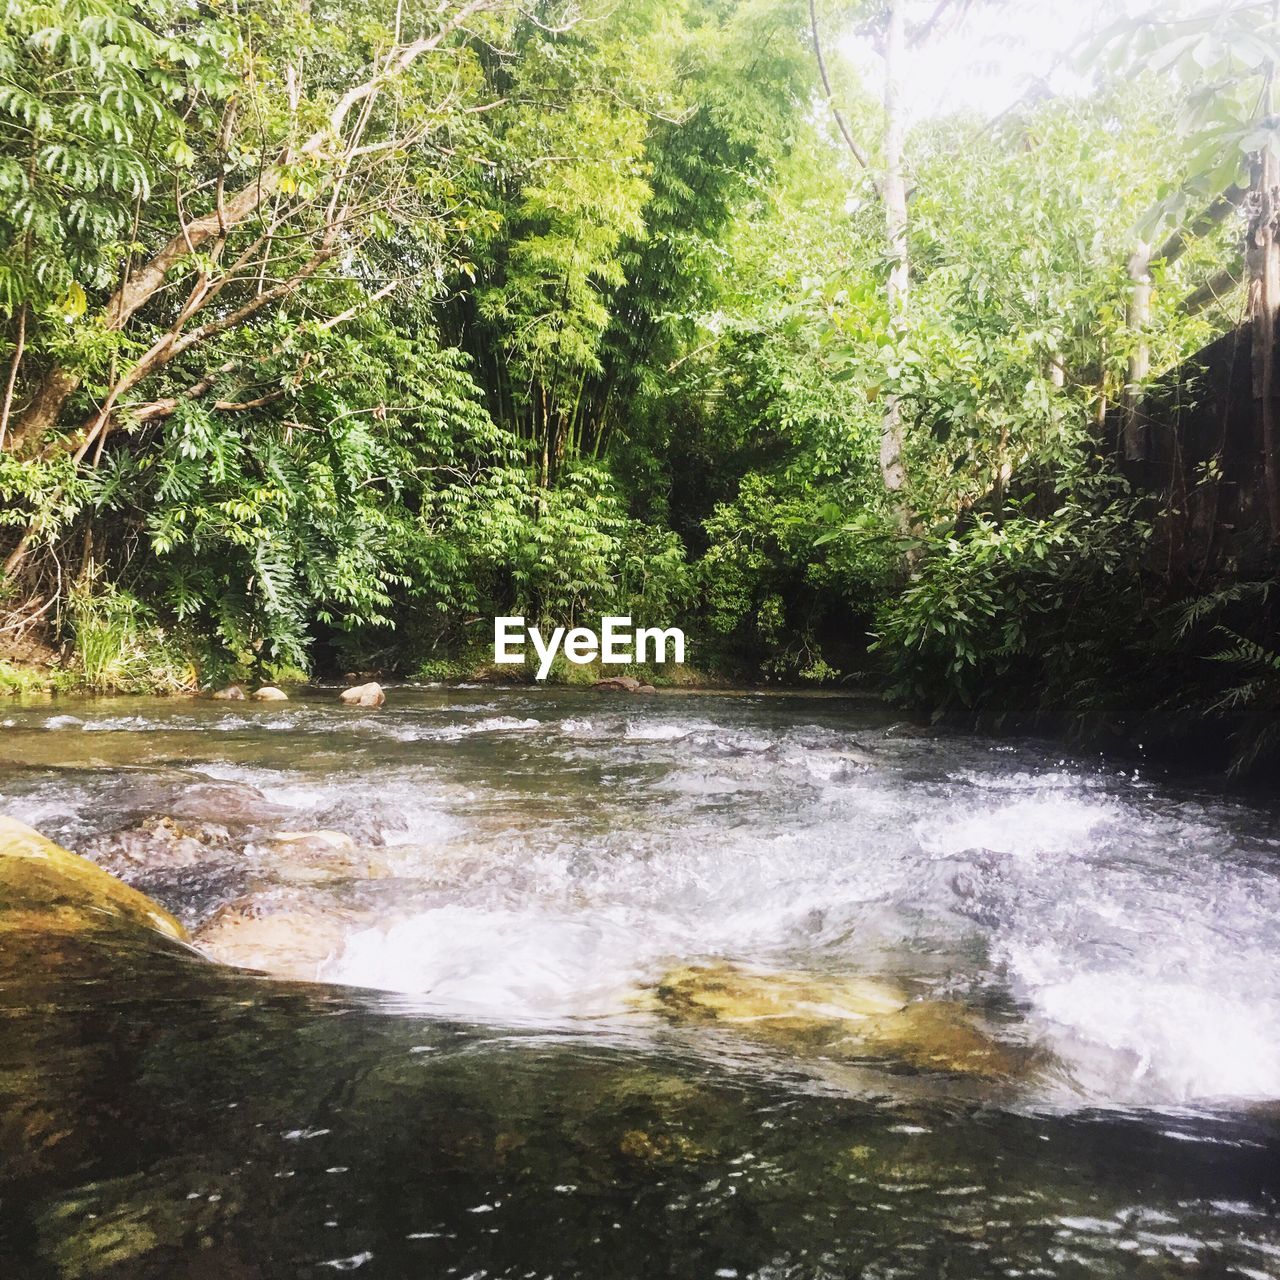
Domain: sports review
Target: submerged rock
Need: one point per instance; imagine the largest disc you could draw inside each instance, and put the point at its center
(363, 695)
(161, 841)
(45, 887)
(291, 941)
(838, 766)
(660, 1148)
(232, 693)
(905, 729)
(318, 841)
(269, 693)
(320, 857)
(849, 1018)
(228, 804)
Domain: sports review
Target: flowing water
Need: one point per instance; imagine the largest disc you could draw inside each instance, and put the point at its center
(464, 1070)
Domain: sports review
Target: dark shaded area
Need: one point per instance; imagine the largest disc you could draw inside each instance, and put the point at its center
(164, 1118)
(1198, 449)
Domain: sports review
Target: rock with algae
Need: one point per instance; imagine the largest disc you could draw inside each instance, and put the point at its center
(844, 1017)
(44, 887)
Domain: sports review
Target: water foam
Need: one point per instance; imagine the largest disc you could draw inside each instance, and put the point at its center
(1181, 1042)
(510, 965)
(1057, 822)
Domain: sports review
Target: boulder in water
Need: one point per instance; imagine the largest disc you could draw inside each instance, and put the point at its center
(269, 693)
(43, 886)
(851, 1018)
(363, 695)
(624, 684)
(232, 693)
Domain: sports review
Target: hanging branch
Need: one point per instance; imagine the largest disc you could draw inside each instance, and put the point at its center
(851, 142)
(1214, 289)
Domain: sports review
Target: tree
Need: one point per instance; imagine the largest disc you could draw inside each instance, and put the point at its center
(631, 142)
(218, 167)
(888, 181)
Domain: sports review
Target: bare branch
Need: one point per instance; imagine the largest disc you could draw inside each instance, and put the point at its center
(850, 141)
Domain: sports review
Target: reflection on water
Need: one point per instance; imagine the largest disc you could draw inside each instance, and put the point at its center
(517, 871)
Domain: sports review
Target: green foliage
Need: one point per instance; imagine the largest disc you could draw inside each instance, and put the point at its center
(321, 510)
(301, 451)
(1223, 61)
(1028, 593)
(1251, 702)
(44, 495)
(24, 681)
(773, 576)
(96, 101)
(1228, 634)
(119, 645)
(571, 553)
(324, 353)
(993, 606)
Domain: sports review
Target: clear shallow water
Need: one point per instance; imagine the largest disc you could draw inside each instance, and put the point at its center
(528, 865)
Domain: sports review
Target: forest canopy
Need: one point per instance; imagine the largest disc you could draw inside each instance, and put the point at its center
(329, 330)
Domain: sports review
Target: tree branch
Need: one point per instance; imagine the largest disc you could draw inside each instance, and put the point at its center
(1205, 222)
(1214, 289)
(850, 141)
(60, 383)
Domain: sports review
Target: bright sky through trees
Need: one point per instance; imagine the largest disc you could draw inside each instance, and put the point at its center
(999, 52)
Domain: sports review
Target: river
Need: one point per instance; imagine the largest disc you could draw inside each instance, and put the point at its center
(462, 1064)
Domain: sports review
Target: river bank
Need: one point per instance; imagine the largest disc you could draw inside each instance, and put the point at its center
(38, 669)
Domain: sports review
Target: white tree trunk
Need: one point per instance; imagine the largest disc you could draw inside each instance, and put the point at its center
(892, 469)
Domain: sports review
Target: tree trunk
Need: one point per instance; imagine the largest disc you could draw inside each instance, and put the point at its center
(1264, 303)
(892, 191)
(1133, 431)
(892, 469)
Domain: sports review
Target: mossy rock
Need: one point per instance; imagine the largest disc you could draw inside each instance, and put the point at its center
(850, 1018)
(44, 887)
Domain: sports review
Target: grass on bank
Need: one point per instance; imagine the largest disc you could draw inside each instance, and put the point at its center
(118, 646)
(20, 680)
